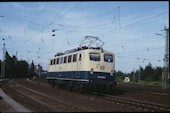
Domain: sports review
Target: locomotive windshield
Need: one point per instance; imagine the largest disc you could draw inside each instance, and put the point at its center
(95, 56)
(108, 58)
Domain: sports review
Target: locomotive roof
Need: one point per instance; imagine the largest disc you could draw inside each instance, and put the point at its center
(78, 49)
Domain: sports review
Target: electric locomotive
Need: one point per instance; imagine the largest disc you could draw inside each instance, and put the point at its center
(84, 67)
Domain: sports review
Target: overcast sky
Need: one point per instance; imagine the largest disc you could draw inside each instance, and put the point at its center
(127, 28)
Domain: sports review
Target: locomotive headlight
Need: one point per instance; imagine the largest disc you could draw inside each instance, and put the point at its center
(91, 72)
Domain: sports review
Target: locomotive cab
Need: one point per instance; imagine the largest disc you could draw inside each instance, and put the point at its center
(101, 66)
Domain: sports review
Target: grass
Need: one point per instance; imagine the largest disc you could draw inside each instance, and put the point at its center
(152, 83)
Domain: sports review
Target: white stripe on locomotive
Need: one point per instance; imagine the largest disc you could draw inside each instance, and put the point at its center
(85, 64)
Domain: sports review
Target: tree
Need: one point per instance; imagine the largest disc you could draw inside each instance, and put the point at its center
(14, 60)
(9, 66)
(157, 75)
(22, 69)
(119, 75)
(0, 68)
(142, 77)
(149, 73)
(31, 70)
(15, 68)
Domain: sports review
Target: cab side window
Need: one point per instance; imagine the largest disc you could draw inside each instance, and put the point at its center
(61, 60)
(51, 62)
(65, 59)
(57, 60)
(69, 58)
(80, 57)
(108, 58)
(54, 61)
(74, 57)
(95, 56)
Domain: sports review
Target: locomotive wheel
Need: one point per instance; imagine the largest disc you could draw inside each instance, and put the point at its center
(90, 88)
(81, 88)
(109, 88)
(51, 83)
(68, 86)
(59, 86)
(87, 89)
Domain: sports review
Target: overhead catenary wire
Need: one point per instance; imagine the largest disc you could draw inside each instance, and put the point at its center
(121, 17)
(139, 21)
(138, 50)
(50, 24)
(126, 26)
(43, 40)
(33, 18)
(57, 14)
(99, 17)
(128, 41)
(124, 42)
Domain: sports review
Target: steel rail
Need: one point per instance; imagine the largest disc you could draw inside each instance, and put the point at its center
(54, 99)
(30, 100)
(137, 103)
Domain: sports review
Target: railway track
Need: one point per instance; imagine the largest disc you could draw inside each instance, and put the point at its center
(138, 103)
(43, 99)
(137, 87)
(40, 101)
(141, 105)
(147, 106)
(139, 90)
(25, 100)
(91, 104)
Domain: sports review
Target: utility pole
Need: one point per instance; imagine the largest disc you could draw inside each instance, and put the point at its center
(133, 74)
(3, 61)
(165, 73)
(166, 58)
(16, 58)
(139, 75)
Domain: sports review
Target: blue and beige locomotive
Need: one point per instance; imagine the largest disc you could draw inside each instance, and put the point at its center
(84, 67)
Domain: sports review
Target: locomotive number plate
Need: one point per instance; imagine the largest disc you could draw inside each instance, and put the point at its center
(102, 67)
(101, 77)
